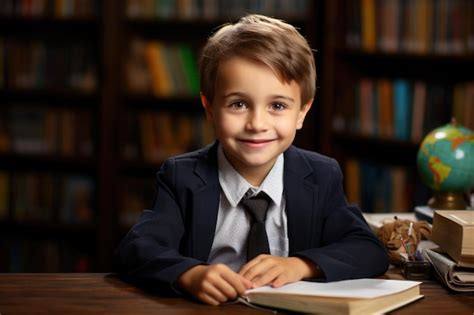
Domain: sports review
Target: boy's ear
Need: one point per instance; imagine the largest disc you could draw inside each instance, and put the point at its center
(302, 114)
(207, 107)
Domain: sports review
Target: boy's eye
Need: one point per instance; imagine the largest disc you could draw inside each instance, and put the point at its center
(278, 106)
(238, 105)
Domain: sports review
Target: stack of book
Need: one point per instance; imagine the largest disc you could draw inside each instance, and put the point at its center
(453, 231)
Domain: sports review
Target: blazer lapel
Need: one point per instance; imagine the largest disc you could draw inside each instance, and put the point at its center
(205, 204)
(300, 200)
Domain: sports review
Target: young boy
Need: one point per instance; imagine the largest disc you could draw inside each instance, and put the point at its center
(257, 85)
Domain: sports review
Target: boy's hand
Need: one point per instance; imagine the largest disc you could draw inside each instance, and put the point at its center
(265, 269)
(213, 284)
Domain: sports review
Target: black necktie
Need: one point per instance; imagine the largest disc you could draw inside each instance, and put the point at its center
(257, 242)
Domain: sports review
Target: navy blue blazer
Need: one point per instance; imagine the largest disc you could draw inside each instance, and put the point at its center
(178, 232)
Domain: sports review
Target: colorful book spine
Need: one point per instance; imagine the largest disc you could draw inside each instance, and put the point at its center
(386, 120)
(402, 109)
(2, 64)
(4, 195)
(190, 70)
(369, 25)
(418, 116)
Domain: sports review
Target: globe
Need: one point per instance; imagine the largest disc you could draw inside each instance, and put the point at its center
(446, 163)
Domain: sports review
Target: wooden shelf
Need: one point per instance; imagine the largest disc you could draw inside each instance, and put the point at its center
(405, 57)
(140, 168)
(387, 150)
(49, 26)
(408, 65)
(148, 101)
(48, 95)
(36, 162)
(46, 230)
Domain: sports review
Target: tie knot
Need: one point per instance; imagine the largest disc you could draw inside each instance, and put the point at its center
(257, 206)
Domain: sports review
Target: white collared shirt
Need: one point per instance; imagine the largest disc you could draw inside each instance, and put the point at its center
(233, 222)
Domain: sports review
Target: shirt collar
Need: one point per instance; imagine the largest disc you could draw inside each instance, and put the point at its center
(235, 186)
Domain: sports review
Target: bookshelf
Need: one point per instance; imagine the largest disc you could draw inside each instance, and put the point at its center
(393, 71)
(50, 95)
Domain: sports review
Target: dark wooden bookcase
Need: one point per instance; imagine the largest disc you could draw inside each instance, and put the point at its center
(348, 58)
(41, 77)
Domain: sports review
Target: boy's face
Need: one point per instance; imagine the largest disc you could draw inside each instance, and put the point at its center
(255, 115)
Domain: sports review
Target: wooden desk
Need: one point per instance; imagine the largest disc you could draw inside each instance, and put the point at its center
(74, 293)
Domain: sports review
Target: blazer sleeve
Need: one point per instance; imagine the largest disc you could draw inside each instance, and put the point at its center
(347, 248)
(149, 253)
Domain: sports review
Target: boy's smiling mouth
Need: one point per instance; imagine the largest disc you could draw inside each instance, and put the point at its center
(255, 143)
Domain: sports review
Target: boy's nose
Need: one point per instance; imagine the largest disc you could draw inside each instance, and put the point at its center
(257, 120)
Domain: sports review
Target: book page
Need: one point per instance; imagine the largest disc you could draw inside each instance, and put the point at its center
(358, 288)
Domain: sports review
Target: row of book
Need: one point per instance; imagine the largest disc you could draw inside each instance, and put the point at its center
(26, 255)
(163, 69)
(49, 8)
(377, 187)
(48, 131)
(405, 110)
(411, 26)
(46, 198)
(214, 9)
(163, 134)
(43, 64)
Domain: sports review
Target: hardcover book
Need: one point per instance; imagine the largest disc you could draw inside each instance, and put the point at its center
(360, 296)
(453, 231)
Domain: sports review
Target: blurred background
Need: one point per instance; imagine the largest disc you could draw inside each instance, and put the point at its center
(94, 95)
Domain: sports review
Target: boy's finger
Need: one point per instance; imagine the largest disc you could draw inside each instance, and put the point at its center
(256, 270)
(279, 281)
(226, 289)
(207, 298)
(269, 276)
(237, 283)
(248, 284)
(247, 266)
(252, 263)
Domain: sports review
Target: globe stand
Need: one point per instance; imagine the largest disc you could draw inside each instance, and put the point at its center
(448, 201)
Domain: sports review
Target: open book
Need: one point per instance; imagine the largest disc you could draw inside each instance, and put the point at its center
(361, 296)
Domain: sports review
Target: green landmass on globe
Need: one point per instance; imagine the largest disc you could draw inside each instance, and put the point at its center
(446, 159)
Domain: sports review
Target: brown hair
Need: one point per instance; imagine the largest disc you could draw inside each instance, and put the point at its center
(273, 42)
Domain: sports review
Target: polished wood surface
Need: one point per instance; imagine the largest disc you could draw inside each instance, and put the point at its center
(94, 293)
